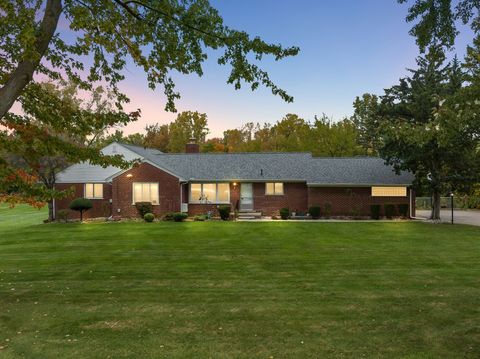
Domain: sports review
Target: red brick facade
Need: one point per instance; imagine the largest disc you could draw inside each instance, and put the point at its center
(168, 190)
(350, 201)
(101, 207)
(343, 201)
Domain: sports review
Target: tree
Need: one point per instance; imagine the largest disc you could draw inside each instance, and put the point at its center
(157, 136)
(188, 125)
(426, 125)
(436, 21)
(136, 139)
(81, 205)
(55, 129)
(160, 37)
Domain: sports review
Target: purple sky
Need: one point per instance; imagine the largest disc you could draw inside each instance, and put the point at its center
(348, 47)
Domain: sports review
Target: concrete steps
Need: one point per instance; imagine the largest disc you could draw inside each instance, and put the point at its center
(250, 215)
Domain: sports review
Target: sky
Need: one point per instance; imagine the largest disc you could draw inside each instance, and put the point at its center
(347, 48)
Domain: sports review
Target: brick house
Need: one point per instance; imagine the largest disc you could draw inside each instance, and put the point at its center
(196, 183)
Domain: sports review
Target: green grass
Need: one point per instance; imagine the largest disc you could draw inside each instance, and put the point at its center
(237, 290)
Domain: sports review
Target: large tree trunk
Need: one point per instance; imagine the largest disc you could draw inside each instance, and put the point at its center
(23, 74)
(435, 205)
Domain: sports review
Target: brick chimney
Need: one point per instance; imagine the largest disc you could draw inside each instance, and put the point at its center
(192, 146)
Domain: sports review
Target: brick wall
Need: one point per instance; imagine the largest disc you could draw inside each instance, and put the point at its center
(294, 198)
(101, 207)
(350, 201)
(168, 188)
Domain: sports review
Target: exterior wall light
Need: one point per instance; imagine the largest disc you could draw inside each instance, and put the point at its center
(129, 175)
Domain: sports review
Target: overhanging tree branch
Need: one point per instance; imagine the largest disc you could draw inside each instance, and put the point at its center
(23, 74)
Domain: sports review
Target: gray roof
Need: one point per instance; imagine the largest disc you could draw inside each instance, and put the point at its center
(278, 166)
(85, 172)
(285, 166)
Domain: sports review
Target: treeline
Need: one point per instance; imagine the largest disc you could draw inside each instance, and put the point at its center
(322, 136)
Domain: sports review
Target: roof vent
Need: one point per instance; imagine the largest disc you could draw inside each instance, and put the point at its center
(261, 172)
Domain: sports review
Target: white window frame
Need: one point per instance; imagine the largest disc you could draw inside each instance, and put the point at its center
(145, 183)
(275, 193)
(202, 201)
(93, 190)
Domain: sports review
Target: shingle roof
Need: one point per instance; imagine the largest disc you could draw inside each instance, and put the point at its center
(283, 166)
(279, 166)
(85, 172)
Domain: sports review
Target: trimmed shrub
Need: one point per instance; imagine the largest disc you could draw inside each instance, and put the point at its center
(390, 211)
(149, 217)
(328, 210)
(179, 216)
(143, 208)
(314, 211)
(224, 212)
(200, 218)
(81, 205)
(375, 211)
(403, 210)
(168, 216)
(63, 214)
(284, 213)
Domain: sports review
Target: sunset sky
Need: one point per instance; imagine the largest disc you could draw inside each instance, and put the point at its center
(348, 47)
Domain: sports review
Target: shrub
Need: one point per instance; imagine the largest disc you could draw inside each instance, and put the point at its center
(328, 210)
(63, 214)
(224, 212)
(284, 213)
(375, 211)
(200, 218)
(274, 217)
(390, 210)
(179, 216)
(168, 216)
(143, 208)
(403, 210)
(149, 217)
(81, 205)
(314, 211)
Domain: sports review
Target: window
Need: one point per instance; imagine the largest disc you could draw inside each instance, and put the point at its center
(94, 190)
(274, 189)
(209, 193)
(145, 192)
(389, 191)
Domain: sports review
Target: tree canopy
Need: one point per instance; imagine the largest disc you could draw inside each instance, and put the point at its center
(161, 37)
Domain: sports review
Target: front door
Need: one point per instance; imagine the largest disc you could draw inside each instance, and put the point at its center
(246, 197)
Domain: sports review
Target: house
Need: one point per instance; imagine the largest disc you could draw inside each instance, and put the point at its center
(196, 183)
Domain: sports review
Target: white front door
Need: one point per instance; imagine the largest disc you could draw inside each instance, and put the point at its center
(246, 197)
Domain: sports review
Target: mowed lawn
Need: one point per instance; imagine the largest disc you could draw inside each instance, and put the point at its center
(237, 290)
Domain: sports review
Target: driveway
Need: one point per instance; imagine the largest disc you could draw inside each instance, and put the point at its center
(459, 216)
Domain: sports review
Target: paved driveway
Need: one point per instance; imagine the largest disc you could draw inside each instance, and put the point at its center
(459, 216)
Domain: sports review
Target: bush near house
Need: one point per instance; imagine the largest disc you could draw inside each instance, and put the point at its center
(224, 212)
(179, 216)
(168, 216)
(200, 218)
(81, 205)
(390, 211)
(284, 213)
(314, 211)
(143, 208)
(403, 210)
(375, 211)
(149, 217)
(63, 214)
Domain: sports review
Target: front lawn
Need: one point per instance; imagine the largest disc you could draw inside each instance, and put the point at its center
(237, 290)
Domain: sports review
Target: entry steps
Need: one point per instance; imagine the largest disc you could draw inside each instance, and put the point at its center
(249, 215)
